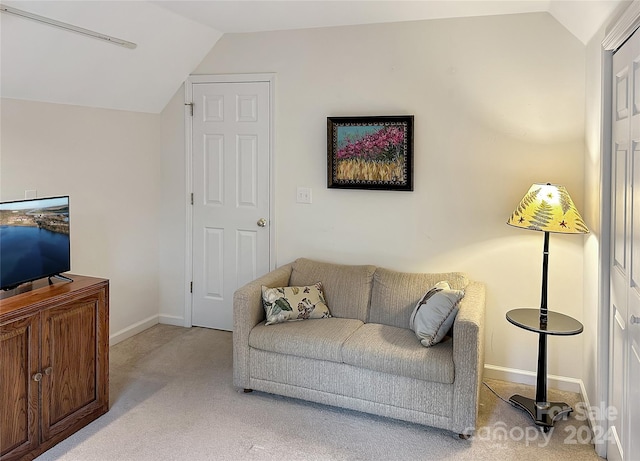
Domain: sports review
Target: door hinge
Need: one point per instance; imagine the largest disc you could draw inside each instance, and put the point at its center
(191, 287)
(191, 198)
(190, 104)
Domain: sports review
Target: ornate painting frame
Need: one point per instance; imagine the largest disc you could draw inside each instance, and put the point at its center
(370, 152)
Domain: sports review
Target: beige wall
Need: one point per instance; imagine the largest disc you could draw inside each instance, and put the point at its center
(592, 210)
(498, 105)
(108, 163)
(173, 203)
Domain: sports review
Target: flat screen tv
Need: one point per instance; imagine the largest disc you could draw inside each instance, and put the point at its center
(34, 240)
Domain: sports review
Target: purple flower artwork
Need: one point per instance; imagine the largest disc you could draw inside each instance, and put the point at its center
(370, 152)
(376, 143)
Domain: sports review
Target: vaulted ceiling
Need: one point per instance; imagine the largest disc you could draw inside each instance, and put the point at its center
(43, 63)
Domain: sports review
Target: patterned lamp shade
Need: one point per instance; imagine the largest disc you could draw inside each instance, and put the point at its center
(548, 208)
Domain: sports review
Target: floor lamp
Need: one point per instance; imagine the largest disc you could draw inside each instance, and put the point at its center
(546, 208)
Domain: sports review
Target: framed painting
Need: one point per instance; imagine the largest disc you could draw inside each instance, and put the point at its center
(370, 152)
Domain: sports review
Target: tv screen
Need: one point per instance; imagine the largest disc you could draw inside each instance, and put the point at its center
(34, 240)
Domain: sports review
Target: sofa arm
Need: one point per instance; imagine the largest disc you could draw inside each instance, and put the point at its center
(247, 313)
(468, 358)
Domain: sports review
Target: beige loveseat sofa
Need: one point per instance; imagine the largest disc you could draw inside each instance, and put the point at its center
(365, 357)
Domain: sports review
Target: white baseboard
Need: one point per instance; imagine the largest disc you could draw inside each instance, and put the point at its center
(590, 414)
(515, 375)
(171, 320)
(142, 325)
(132, 330)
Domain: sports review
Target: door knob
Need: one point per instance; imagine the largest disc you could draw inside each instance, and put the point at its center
(635, 319)
(37, 377)
(262, 222)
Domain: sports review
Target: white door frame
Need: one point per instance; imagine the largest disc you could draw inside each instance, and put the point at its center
(619, 31)
(188, 130)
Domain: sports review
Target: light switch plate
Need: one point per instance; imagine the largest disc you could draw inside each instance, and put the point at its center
(303, 195)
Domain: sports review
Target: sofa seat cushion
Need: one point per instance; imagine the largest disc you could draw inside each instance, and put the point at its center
(397, 351)
(320, 339)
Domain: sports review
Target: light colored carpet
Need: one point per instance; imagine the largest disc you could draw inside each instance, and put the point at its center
(172, 399)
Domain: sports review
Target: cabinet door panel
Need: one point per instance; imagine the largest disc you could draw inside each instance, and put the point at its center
(19, 344)
(70, 353)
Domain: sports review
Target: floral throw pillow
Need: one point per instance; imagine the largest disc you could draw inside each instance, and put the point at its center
(283, 304)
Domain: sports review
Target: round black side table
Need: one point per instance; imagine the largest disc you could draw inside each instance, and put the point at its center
(544, 413)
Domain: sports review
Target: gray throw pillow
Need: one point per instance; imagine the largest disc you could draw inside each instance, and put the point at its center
(434, 314)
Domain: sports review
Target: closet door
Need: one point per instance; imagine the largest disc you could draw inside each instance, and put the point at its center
(625, 254)
(231, 130)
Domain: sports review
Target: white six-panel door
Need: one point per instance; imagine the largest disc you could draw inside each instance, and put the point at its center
(231, 195)
(624, 440)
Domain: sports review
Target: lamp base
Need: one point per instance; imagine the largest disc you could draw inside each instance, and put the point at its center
(543, 413)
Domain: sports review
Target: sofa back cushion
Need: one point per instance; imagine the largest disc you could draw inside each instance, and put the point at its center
(347, 289)
(395, 294)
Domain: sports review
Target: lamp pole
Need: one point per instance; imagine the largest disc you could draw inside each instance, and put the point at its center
(541, 384)
(545, 272)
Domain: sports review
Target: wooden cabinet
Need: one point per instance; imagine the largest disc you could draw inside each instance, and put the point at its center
(54, 364)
